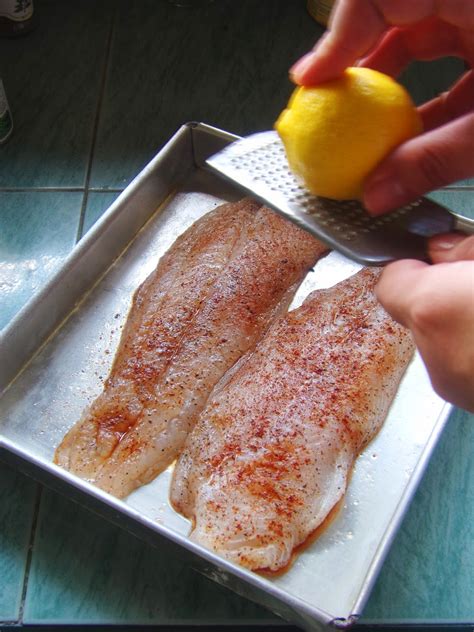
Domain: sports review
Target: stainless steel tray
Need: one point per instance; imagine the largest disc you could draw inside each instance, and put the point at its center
(58, 350)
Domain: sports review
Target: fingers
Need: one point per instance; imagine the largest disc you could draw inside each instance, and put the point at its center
(424, 163)
(451, 247)
(457, 12)
(356, 26)
(436, 302)
(427, 40)
(395, 288)
(342, 44)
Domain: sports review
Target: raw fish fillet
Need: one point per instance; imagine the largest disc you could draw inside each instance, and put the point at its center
(211, 297)
(272, 451)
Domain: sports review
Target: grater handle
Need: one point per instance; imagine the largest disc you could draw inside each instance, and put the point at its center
(463, 224)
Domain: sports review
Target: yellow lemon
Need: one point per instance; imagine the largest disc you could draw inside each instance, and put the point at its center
(335, 133)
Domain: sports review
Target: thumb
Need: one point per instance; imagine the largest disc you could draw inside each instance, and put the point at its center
(424, 163)
(451, 247)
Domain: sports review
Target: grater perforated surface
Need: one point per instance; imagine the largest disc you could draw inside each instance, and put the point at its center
(268, 164)
(258, 163)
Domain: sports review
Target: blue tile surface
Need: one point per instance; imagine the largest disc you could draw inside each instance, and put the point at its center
(155, 84)
(37, 231)
(52, 79)
(17, 494)
(427, 575)
(97, 204)
(87, 571)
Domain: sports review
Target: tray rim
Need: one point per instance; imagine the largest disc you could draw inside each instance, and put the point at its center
(43, 468)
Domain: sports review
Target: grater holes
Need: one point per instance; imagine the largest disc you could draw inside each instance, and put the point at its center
(347, 219)
(410, 206)
(350, 236)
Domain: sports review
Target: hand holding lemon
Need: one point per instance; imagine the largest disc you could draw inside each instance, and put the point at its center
(336, 133)
(387, 35)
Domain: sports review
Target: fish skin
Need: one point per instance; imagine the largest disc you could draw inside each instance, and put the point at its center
(211, 297)
(272, 452)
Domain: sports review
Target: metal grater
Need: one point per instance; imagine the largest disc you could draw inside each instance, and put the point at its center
(258, 164)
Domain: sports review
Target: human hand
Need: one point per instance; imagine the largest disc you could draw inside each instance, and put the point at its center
(386, 35)
(436, 302)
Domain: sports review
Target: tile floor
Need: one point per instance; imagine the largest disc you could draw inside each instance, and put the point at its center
(95, 91)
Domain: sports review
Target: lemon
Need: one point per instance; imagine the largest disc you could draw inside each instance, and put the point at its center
(335, 133)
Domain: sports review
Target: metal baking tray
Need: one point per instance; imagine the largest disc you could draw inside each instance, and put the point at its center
(57, 351)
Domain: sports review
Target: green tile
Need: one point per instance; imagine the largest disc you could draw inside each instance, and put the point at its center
(37, 231)
(426, 80)
(52, 78)
(225, 63)
(429, 572)
(97, 204)
(17, 493)
(85, 570)
(459, 201)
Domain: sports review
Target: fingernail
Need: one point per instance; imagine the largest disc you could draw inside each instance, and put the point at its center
(302, 64)
(445, 242)
(383, 194)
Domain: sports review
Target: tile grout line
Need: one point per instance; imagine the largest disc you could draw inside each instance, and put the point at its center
(61, 189)
(72, 189)
(29, 557)
(100, 100)
(41, 189)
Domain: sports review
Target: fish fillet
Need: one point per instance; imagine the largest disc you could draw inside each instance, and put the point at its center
(211, 297)
(272, 451)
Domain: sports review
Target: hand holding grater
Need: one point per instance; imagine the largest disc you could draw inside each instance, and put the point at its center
(258, 164)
